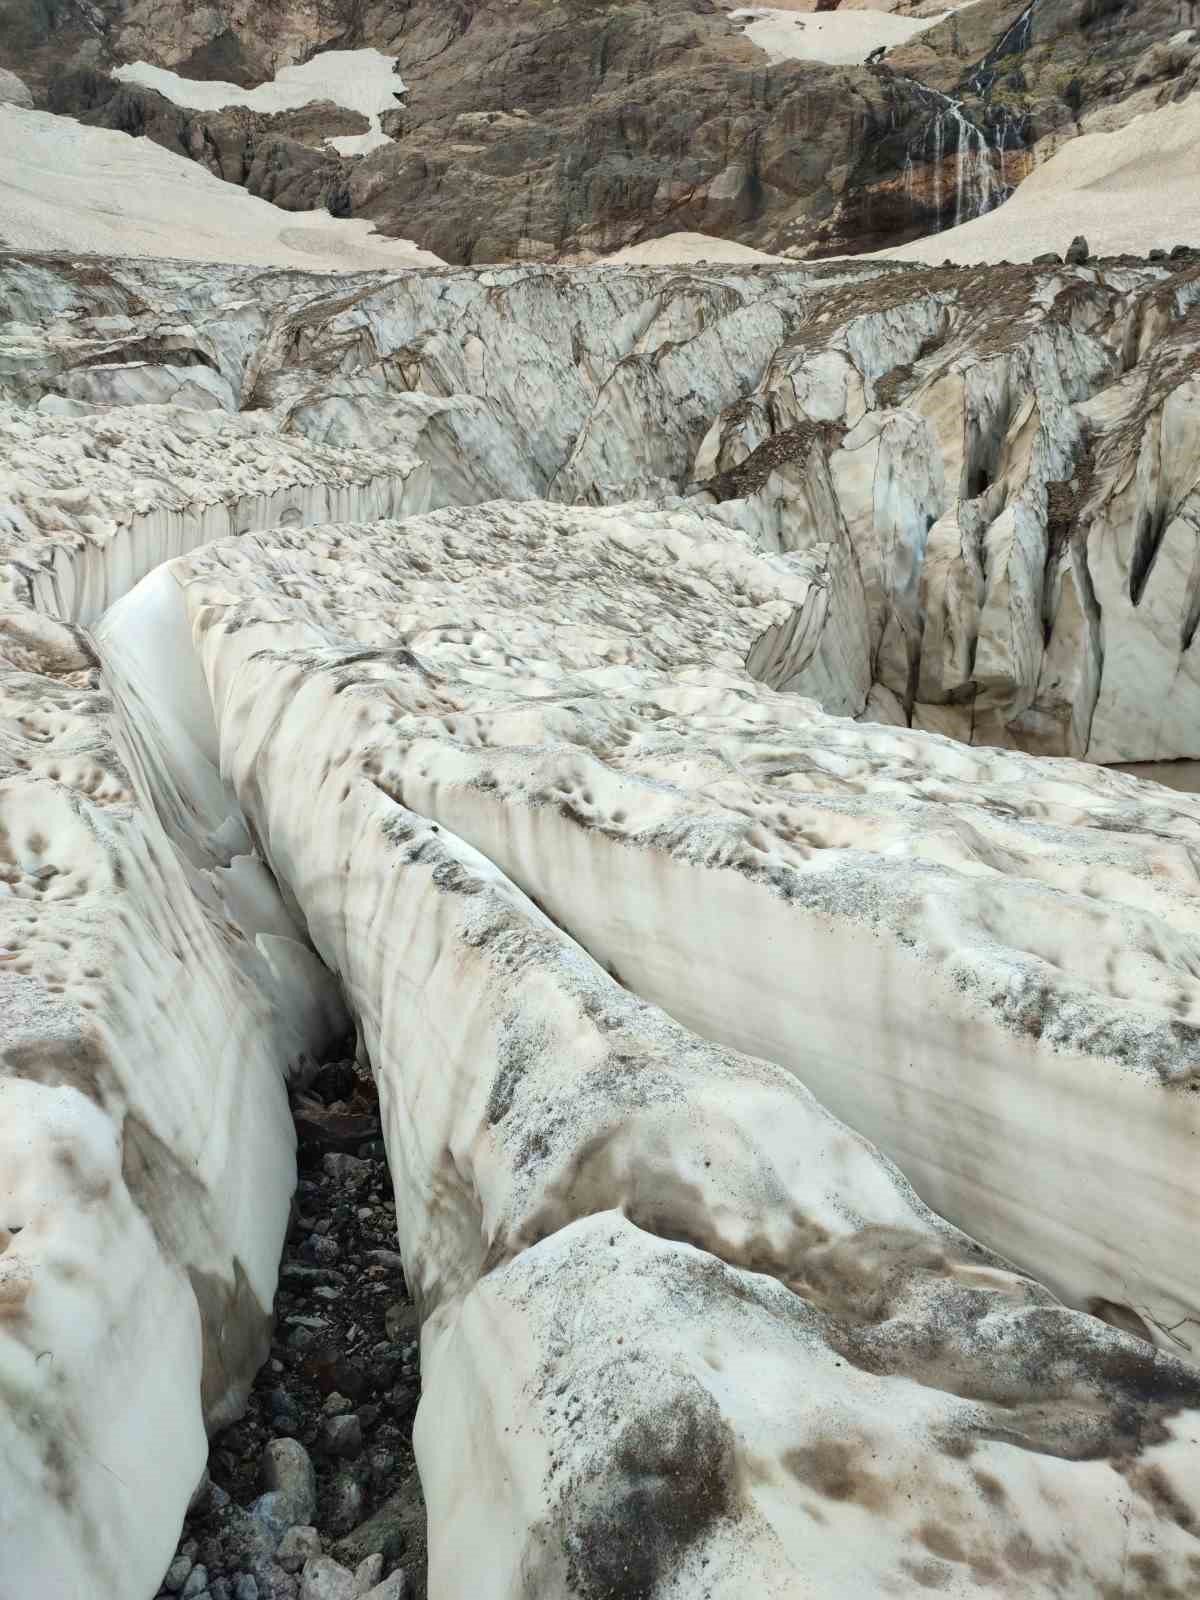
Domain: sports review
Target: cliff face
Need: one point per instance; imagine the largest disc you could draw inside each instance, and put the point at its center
(561, 130)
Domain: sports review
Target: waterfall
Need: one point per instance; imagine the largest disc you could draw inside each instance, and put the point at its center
(979, 184)
(980, 174)
(1010, 43)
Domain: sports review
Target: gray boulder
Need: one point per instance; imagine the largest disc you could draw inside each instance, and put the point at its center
(13, 92)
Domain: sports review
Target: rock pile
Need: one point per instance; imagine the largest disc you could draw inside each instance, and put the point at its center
(313, 1494)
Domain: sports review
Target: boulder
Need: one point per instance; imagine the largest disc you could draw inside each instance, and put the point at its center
(12, 91)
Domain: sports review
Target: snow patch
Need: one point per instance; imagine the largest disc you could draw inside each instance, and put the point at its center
(95, 191)
(359, 80)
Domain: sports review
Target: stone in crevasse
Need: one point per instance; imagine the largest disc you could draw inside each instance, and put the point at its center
(341, 1435)
(350, 1171)
(368, 1573)
(291, 1482)
(177, 1574)
(274, 1583)
(345, 1501)
(394, 1587)
(319, 1250)
(297, 1546)
(324, 1579)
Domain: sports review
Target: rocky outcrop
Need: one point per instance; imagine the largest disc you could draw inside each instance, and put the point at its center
(242, 44)
(578, 129)
(283, 158)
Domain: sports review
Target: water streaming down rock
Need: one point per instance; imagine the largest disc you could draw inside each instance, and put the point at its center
(1013, 41)
(979, 167)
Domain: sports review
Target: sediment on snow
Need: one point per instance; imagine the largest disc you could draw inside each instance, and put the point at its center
(563, 808)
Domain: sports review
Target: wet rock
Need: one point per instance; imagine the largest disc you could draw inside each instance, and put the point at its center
(285, 1413)
(319, 1250)
(348, 1171)
(302, 1279)
(246, 1587)
(387, 1533)
(297, 1546)
(248, 1539)
(177, 1574)
(345, 1502)
(1049, 259)
(196, 1584)
(342, 1436)
(335, 1130)
(1077, 251)
(324, 1579)
(274, 1583)
(290, 1479)
(394, 1587)
(388, 1259)
(401, 1321)
(368, 1573)
(336, 1080)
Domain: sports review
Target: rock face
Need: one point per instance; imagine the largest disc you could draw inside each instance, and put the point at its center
(564, 130)
(561, 781)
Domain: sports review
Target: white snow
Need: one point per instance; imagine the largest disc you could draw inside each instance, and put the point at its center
(839, 37)
(64, 186)
(675, 248)
(360, 80)
(1127, 191)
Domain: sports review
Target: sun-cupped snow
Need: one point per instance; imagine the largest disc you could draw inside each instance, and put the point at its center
(365, 81)
(95, 501)
(544, 782)
(588, 698)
